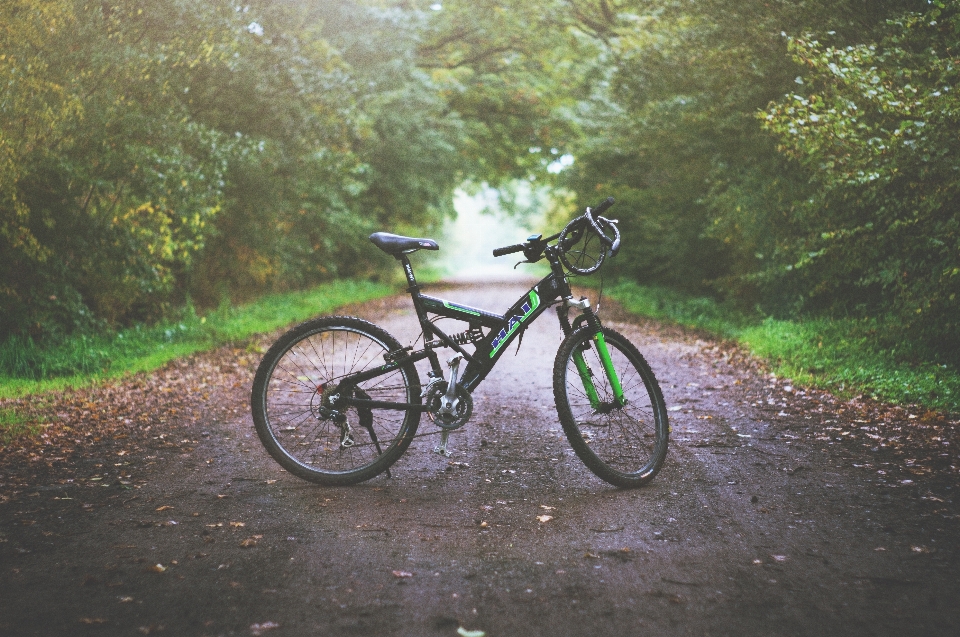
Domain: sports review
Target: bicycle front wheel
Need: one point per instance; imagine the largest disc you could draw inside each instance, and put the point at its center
(622, 439)
(289, 387)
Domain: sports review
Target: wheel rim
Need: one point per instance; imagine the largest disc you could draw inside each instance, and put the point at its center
(624, 438)
(292, 397)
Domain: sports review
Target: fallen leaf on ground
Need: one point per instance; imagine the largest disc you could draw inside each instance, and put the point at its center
(248, 543)
(259, 629)
(158, 568)
(544, 518)
(402, 574)
(165, 507)
(92, 620)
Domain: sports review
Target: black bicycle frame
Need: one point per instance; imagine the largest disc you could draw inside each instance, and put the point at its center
(503, 330)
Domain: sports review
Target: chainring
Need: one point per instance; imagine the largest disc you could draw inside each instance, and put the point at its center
(463, 407)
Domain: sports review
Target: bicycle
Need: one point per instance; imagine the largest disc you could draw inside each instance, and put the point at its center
(337, 400)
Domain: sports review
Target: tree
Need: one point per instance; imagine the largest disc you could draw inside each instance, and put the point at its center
(876, 126)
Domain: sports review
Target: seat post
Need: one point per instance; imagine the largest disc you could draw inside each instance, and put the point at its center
(412, 285)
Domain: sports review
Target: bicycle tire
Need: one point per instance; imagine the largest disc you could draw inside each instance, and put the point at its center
(627, 445)
(287, 391)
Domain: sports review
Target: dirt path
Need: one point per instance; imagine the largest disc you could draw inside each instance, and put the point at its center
(778, 512)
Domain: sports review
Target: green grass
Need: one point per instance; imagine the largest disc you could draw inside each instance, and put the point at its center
(28, 368)
(847, 356)
(13, 425)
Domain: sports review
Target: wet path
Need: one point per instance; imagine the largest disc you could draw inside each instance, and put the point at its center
(754, 526)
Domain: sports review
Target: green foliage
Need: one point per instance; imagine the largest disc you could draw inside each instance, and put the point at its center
(151, 153)
(799, 157)
(27, 366)
(670, 116)
(848, 356)
(670, 305)
(854, 356)
(876, 125)
(113, 198)
(503, 66)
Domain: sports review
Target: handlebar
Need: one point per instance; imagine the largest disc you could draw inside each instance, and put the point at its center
(603, 207)
(499, 252)
(571, 234)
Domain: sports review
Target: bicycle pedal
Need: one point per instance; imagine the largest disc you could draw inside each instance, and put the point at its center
(441, 449)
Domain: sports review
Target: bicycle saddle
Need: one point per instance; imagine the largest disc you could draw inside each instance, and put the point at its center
(395, 244)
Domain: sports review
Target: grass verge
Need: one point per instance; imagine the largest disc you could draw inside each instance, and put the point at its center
(846, 356)
(14, 424)
(28, 368)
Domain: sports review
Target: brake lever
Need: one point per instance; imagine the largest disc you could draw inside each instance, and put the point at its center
(613, 245)
(528, 261)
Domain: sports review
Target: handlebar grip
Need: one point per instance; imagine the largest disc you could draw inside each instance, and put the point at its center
(499, 252)
(609, 201)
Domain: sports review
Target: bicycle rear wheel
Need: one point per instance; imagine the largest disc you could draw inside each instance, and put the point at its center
(289, 386)
(622, 442)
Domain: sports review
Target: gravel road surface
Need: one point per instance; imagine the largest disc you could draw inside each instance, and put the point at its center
(777, 513)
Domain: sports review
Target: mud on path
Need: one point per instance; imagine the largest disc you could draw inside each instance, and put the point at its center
(151, 508)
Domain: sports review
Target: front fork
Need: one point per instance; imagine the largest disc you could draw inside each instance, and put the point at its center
(603, 352)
